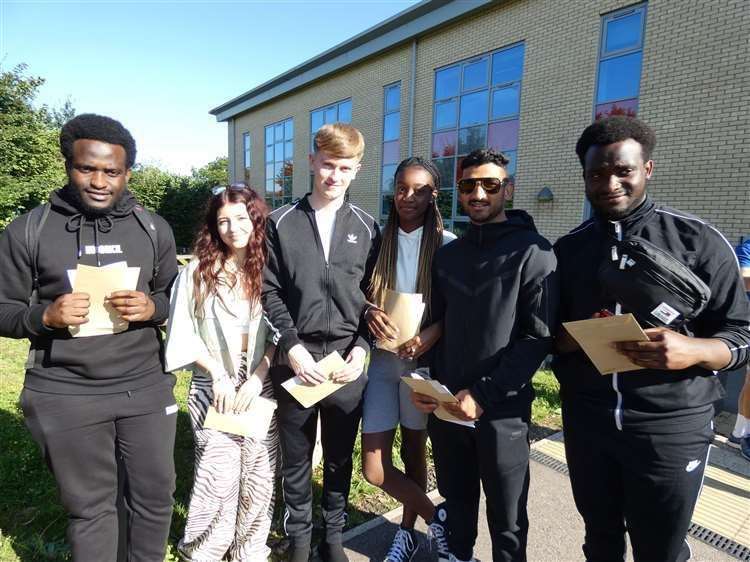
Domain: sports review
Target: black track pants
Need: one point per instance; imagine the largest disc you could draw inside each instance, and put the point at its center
(78, 436)
(497, 452)
(339, 423)
(644, 482)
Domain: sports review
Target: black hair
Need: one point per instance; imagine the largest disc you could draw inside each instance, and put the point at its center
(616, 128)
(416, 161)
(96, 127)
(484, 156)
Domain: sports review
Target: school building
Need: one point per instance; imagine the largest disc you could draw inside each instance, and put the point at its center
(526, 77)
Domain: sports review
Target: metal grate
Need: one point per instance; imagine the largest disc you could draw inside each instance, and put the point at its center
(548, 461)
(719, 542)
(739, 551)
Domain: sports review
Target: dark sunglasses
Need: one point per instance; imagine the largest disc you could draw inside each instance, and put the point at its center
(490, 185)
(232, 187)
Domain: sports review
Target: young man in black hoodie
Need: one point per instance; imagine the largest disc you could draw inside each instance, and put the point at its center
(322, 251)
(637, 442)
(495, 290)
(87, 399)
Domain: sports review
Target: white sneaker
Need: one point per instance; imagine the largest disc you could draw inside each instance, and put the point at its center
(403, 547)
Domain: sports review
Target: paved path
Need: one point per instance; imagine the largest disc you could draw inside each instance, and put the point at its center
(555, 532)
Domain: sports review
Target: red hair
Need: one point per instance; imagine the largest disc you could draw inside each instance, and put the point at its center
(212, 253)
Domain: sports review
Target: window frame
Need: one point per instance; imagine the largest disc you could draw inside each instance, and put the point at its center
(272, 200)
(382, 195)
(489, 87)
(246, 150)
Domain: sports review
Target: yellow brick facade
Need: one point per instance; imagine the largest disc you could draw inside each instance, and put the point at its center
(694, 88)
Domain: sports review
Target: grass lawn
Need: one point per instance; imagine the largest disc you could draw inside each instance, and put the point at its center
(32, 523)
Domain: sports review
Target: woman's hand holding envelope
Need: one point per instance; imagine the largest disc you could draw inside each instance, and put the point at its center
(380, 325)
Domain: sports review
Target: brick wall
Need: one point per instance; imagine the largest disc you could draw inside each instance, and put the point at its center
(693, 92)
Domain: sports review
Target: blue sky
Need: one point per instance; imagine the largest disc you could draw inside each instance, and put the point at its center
(160, 66)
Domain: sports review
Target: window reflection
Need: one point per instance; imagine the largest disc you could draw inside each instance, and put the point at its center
(476, 105)
(279, 163)
(619, 78)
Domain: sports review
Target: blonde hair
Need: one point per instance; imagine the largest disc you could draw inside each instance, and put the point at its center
(340, 140)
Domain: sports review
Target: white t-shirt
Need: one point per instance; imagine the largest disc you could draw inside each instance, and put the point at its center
(324, 219)
(407, 264)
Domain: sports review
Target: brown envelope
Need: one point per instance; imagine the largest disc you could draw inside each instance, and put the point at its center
(253, 423)
(308, 394)
(596, 336)
(405, 310)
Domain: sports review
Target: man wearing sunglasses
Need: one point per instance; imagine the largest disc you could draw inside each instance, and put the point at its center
(496, 291)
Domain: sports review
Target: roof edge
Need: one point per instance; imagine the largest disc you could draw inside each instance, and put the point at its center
(399, 28)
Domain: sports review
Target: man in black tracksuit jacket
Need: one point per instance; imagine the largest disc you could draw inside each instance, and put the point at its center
(322, 251)
(637, 442)
(495, 290)
(87, 399)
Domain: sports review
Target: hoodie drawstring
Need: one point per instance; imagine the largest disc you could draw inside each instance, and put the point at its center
(101, 224)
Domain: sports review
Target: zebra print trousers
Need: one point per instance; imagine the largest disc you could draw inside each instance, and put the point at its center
(231, 504)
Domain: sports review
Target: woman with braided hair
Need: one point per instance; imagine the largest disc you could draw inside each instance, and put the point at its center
(412, 234)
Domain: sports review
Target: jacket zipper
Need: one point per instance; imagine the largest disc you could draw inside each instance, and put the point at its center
(615, 376)
(328, 285)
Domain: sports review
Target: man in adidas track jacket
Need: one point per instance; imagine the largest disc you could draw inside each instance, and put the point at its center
(322, 250)
(637, 442)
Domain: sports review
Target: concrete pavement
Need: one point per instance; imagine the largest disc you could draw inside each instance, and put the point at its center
(555, 531)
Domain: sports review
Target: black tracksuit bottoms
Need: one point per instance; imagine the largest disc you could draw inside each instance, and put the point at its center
(339, 423)
(644, 482)
(497, 453)
(79, 436)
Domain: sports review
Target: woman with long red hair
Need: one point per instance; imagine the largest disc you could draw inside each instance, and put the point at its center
(216, 330)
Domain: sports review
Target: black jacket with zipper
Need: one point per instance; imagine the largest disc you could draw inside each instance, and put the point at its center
(89, 365)
(308, 300)
(650, 400)
(495, 289)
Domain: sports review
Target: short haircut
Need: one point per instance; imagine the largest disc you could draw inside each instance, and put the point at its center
(484, 156)
(616, 128)
(100, 128)
(340, 140)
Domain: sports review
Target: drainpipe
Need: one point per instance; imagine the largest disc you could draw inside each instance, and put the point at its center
(412, 97)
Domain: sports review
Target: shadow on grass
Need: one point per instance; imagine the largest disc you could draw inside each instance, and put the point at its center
(31, 518)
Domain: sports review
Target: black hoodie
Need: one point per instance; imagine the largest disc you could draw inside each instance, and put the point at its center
(97, 364)
(496, 290)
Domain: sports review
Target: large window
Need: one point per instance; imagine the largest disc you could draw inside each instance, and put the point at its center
(476, 105)
(620, 55)
(279, 143)
(391, 145)
(246, 150)
(339, 112)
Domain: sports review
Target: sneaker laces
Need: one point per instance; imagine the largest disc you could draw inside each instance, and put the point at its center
(436, 533)
(401, 547)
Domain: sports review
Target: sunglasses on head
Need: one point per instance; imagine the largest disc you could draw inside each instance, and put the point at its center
(490, 185)
(232, 187)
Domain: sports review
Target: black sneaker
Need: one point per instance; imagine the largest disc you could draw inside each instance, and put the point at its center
(403, 548)
(332, 552)
(437, 531)
(299, 551)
